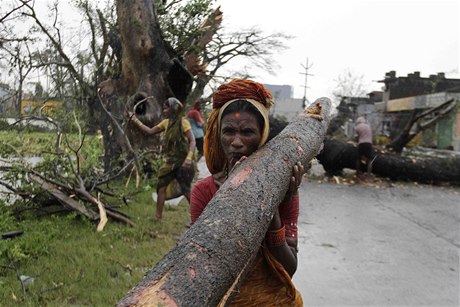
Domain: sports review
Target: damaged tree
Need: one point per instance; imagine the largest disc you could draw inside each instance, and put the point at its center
(62, 179)
(337, 155)
(202, 269)
(149, 75)
(419, 122)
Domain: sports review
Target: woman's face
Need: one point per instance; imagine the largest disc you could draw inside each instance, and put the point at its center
(239, 135)
(166, 110)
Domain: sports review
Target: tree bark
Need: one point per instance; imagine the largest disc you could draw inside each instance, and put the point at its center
(212, 258)
(337, 155)
(149, 75)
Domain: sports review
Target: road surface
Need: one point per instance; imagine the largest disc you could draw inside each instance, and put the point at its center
(376, 244)
(393, 245)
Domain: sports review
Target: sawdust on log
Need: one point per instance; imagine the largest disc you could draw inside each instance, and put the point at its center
(314, 111)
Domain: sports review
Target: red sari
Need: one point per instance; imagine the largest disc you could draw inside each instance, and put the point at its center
(268, 283)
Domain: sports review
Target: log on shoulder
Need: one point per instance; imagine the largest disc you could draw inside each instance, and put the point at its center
(207, 264)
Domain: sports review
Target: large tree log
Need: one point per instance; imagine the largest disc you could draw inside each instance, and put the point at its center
(210, 261)
(337, 155)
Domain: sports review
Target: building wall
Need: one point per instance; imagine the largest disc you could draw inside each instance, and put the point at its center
(287, 108)
(280, 91)
(445, 134)
(414, 85)
(456, 129)
(5, 100)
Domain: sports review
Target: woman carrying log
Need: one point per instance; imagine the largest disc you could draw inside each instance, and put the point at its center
(237, 126)
(178, 149)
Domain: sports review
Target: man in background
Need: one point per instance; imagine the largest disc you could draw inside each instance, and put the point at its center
(363, 133)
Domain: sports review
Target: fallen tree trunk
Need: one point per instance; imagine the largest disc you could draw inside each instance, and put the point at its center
(207, 265)
(337, 155)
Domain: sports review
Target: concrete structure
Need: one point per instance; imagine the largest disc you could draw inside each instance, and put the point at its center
(5, 99)
(388, 112)
(415, 85)
(444, 134)
(354, 107)
(287, 109)
(280, 91)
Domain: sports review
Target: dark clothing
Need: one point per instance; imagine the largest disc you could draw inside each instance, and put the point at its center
(199, 146)
(365, 149)
(184, 179)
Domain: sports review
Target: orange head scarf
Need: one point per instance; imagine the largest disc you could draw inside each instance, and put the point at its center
(238, 89)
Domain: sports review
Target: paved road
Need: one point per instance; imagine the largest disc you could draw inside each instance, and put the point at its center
(362, 245)
(389, 246)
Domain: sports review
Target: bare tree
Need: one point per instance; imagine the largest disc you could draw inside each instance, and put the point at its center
(256, 47)
(350, 84)
(19, 60)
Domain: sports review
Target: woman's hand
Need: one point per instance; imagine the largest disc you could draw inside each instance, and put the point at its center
(220, 177)
(296, 180)
(187, 163)
(237, 163)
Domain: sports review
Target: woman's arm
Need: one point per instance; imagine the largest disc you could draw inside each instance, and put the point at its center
(191, 148)
(281, 238)
(285, 251)
(200, 119)
(144, 128)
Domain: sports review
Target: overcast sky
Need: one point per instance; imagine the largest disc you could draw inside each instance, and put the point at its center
(367, 37)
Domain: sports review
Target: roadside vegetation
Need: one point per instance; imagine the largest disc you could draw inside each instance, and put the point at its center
(60, 259)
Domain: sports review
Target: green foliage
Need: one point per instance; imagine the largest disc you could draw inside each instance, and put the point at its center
(23, 143)
(3, 124)
(31, 244)
(181, 21)
(70, 260)
(64, 253)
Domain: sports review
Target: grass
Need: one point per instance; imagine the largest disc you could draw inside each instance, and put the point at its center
(24, 143)
(77, 266)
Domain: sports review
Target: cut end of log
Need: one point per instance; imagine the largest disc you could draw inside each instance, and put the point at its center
(314, 111)
(150, 295)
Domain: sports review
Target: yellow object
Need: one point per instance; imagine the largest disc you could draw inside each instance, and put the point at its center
(185, 124)
(415, 141)
(39, 107)
(382, 139)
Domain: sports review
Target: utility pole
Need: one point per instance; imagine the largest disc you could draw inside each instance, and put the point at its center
(306, 67)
